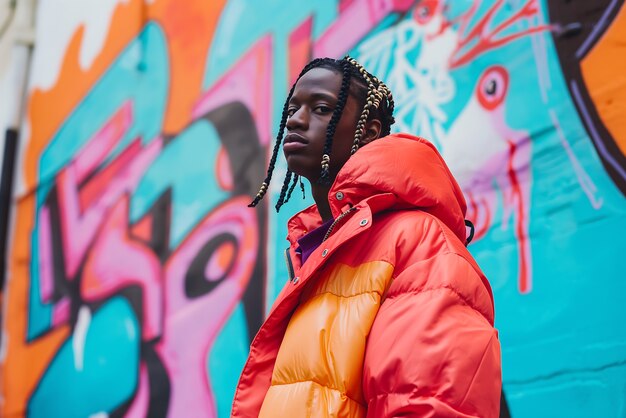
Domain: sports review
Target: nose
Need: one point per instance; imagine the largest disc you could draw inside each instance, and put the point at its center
(299, 120)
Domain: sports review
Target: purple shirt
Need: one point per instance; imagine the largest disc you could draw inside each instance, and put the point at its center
(309, 242)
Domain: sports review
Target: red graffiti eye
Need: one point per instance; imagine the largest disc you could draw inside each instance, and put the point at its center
(425, 11)
(492, 87)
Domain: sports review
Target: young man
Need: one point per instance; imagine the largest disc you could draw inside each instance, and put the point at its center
(386, 313)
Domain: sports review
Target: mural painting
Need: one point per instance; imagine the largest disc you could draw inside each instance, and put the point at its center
(137, 275)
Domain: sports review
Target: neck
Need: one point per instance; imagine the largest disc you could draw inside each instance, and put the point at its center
(320, 195)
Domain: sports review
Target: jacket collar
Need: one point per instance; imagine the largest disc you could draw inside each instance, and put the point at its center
(392, 173)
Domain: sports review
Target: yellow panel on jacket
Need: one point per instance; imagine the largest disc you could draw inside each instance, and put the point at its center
(319, 367)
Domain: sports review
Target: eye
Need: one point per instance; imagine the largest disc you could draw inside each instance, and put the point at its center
(492, 87)
(323, 109)
(425, 11)
(291, 111)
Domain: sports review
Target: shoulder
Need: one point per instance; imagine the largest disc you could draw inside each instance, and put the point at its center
(417, 235)
(429, 258)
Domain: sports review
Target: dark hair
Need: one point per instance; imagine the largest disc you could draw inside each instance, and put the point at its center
(373, 95)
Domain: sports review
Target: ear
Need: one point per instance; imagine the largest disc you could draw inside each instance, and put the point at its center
(371, 132)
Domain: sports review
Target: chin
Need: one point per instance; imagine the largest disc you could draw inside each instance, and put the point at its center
(296, 167)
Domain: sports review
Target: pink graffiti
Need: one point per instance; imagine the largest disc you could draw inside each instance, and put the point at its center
(105, 253)
(300, 45)
(116, 261)
(139, 406)
(478, 212)
(192, 324)
(248, 82)
(82, 209)
(60, 309)
(112, 254)
(355, 21)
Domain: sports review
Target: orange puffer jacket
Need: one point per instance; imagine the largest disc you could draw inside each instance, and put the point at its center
(390, 316)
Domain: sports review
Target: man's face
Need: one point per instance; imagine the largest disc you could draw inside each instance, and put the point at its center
(310, 109)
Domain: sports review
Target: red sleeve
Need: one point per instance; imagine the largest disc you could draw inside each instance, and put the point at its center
(431, 352)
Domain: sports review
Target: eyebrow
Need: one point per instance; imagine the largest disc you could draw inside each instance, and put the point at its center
(318, 96)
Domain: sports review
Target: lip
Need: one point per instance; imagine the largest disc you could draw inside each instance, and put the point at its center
(292, 137)
(294, 142)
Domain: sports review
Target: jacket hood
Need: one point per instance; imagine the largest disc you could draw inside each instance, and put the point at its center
(401, 171)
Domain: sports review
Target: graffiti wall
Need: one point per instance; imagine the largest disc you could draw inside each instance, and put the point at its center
(137, 275)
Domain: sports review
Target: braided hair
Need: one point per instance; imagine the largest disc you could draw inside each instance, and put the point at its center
(374, 97)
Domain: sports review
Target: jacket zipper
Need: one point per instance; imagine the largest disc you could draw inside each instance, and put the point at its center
(292, 273)
(332, 226)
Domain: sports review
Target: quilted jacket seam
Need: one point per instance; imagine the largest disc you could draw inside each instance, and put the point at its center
(480, 363)
(451, 289)
(321, 385)
(313, 296)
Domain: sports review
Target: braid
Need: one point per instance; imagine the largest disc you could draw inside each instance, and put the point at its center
(293, 186)
(279, 137)
(283, 190)
(332, 125)
(378, 103)
(284, 199)
(389, 119)
(279, 140)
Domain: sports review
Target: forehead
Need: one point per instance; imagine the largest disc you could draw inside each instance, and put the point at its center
(318, 80)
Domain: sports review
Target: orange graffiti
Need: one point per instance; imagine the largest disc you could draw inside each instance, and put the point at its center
(189, 30)
(605, 83)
